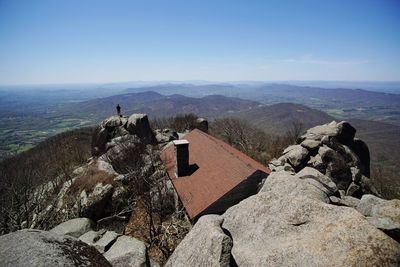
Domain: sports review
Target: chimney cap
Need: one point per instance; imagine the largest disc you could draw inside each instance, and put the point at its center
(180, 142)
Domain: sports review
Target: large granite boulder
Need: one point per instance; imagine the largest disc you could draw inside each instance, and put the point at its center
(205, 245)
(346, 132)
(360, 148)
(138, 124)
(166, 135)
(41, 248)
(373, 206)
(108, 129)
(127, 251)
(383, 214)
(291, 222)
(297, 186)
(343, 131)
(202, 124)
(288, 225)
(318, 132)
(106, 241)
(119, 146)
(120, 126)
(96, 204)
(336, 167)
(75, 227)
(113, 122)
(100, 138)
(296, 155)
(328, 186)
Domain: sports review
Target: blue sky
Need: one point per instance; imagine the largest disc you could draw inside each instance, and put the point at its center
(110, 41)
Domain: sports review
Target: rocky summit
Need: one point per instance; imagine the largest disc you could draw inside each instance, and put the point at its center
(317, 208)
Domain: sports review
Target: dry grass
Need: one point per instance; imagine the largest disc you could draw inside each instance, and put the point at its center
(164, 238)
(139, 227)
(90, 178)
(139, 223)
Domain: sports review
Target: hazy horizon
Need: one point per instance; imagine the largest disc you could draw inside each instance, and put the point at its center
(378, 86)
(155, 81)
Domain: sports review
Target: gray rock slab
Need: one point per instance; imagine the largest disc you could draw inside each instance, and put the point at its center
(311, 173)
(274, 228)
(345, 201)
(288, 149)
(75, 227)
(105, 242)
(373, 206)
(113, 121)
(296, 155)
(127, 251)
(318, 132)
(205, 245)
(285, 183)
(91, 237)
(42, 248)
(386, 225)
(279, 162)
(311, 144)
(138, 124)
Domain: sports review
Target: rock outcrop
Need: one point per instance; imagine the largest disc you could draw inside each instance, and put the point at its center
(125, 168)
(296, 226)
(120, 126)
(384, 214)
(315, 209)
(41, 248)
(166, 135)
(117, 249)
(54, 248)
(202, 124)
(108, 129)
(332, 150)
(95, 204)
(138, 124)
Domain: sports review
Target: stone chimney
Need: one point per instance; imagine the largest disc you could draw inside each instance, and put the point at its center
(181, 157)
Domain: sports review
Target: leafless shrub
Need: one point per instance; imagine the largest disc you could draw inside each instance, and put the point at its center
(154, 208)
(384, 180)
(251, 140)
(90, 178)
(294, 132)
(29, 179)
(179, 123)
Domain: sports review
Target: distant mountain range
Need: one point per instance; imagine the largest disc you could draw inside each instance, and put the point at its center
(338, 102)
(157, 105)
(271, 93)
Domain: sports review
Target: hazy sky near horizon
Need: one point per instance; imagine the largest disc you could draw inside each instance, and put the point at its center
(45, 41)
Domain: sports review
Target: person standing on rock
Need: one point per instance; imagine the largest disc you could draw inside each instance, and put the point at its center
(119, 110)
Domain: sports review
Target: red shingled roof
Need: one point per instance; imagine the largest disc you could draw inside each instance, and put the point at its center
(220, 168)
